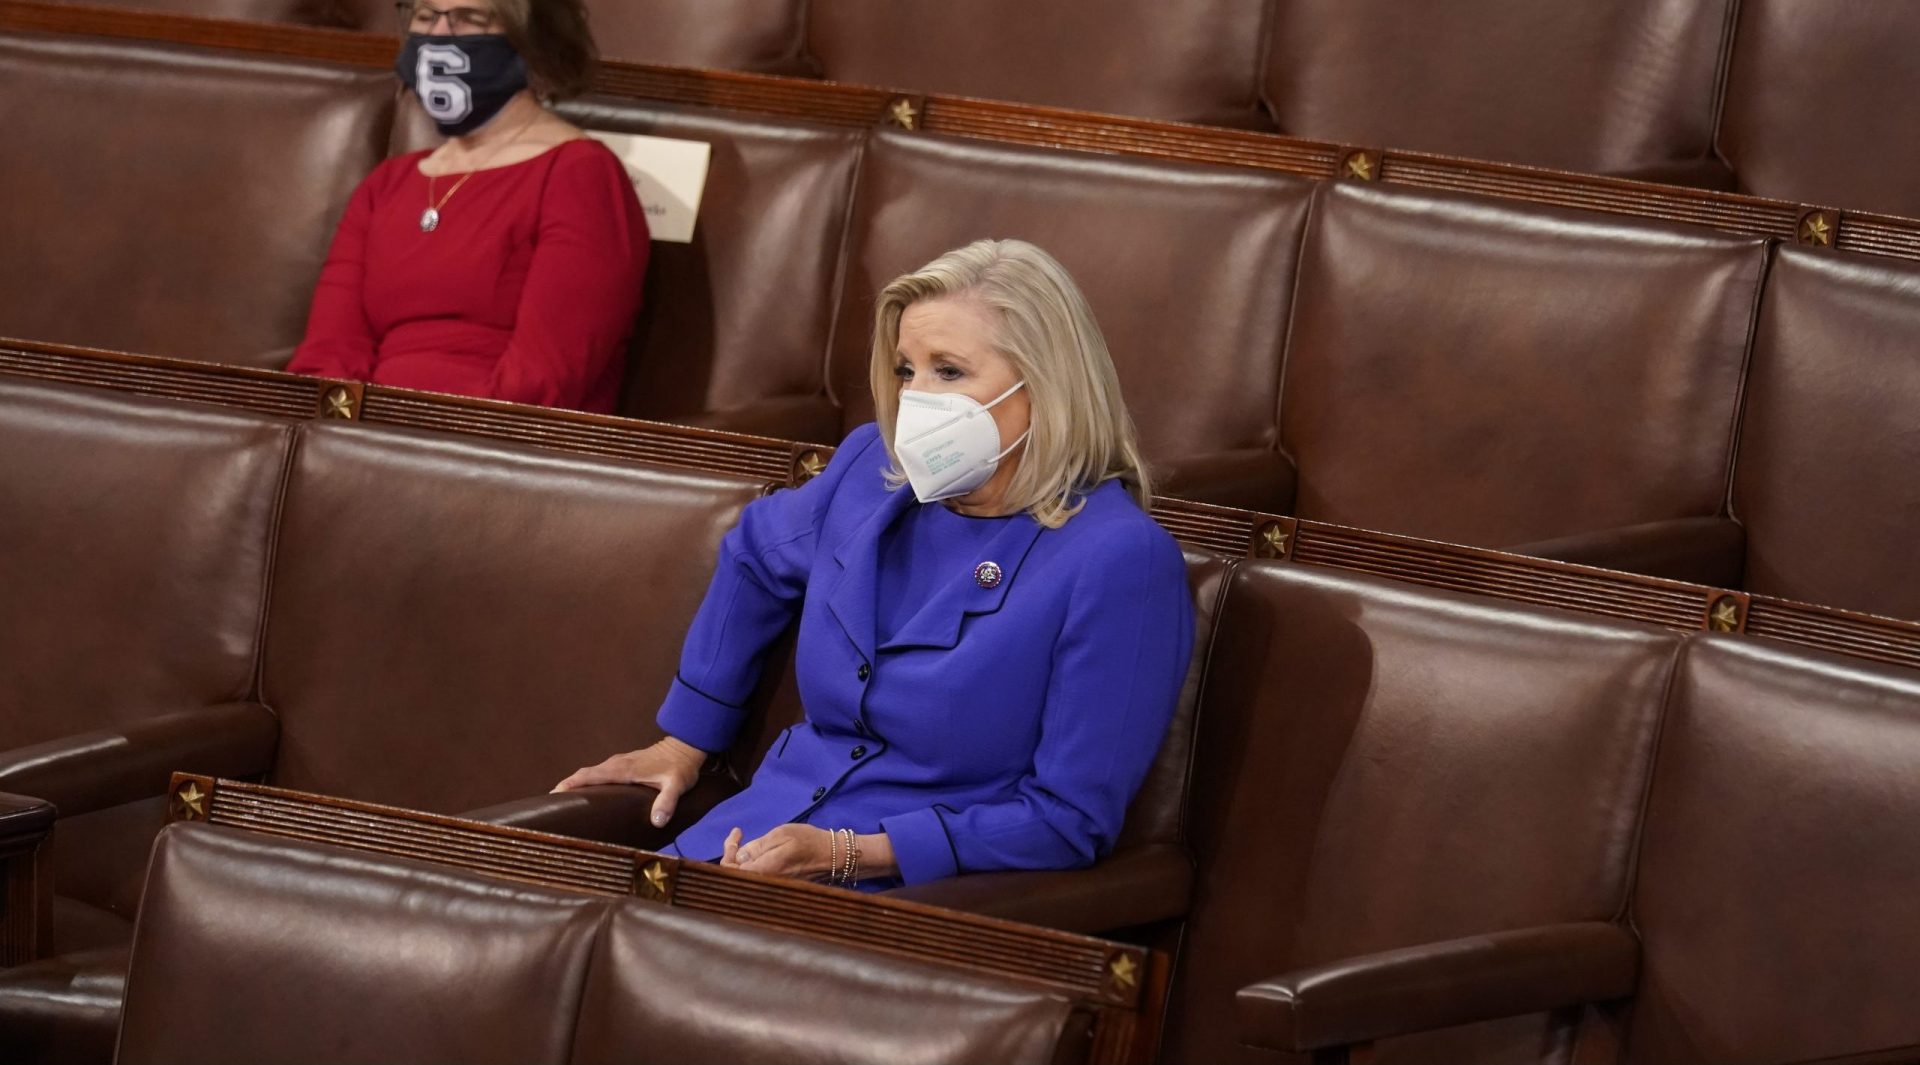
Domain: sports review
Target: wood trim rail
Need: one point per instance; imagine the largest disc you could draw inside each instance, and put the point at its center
(1202, 526)
(1116, 982)
(1031, 124)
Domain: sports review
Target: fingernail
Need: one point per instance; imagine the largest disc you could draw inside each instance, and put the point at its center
(659, 819)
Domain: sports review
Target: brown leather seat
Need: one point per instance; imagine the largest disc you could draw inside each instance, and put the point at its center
(455, 623)
(1523, 377)
(1825, 483)
(253, 948)
(1196, 61)
(1819, 99)
(271, 950)
(1782, 843)
(1380, 766)
(669, 985)
(174, 201)
(1623, 88)
(763, 36)
(408, 668)
(63, 1010)
(733, 330)
(1199, 365)
(137, 537)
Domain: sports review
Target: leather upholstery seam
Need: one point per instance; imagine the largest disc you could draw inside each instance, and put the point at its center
(1722, 81)
(1308, 224)
(1624, 911)
(296, 438)
(1261, 104)
(1214, 616)
(1736, 433)
(844, 262)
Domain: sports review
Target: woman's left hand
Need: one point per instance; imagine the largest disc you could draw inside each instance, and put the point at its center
(790, 850)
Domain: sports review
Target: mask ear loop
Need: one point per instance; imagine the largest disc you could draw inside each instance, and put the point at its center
(1021, 439)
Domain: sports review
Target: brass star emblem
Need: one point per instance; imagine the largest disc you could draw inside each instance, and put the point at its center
(1124, 970)
(1725, 616)
(1360, 165)
(654, 880)
(903, 113)
(193, 800)
(339, 403)
(1273, 541)
(811, 463)
(1815, 230)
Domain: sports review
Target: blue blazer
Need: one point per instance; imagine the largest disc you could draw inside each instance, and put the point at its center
(1001, 728)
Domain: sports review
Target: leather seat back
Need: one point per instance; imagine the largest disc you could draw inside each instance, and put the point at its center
(1493, 373)
(1199, 365)
(763, 36)
(1158, 813)
(174, 201)
(258, 949)
(1381, 766)
(1196, 61)
(677, 986)
(1596, 87)
(134, 569)
(255, 948)
(1819, 99)
(741, 315)
(1825, 483)
(456, 623)
(1775, 891)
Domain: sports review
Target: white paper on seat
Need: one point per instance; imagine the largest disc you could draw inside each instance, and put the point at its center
(668, 174)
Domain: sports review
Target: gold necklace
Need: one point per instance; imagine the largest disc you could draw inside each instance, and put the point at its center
(430, 218)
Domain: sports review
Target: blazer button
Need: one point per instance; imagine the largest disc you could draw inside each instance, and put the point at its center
(859, 753)
(819, 793)
(864, 671)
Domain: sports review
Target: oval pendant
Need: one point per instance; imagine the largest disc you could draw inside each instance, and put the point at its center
(429, 220)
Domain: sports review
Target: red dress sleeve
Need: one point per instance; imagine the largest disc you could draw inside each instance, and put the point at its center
(339, 342)
(582, 292)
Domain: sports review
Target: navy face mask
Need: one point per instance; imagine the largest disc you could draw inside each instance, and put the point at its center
(461, 80)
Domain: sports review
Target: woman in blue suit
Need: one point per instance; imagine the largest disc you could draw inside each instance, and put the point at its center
(993, 631)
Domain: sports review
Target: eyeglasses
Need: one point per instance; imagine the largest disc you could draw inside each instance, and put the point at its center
(422, 18)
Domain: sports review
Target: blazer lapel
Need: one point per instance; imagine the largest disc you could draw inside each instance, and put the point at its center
(851, 599)
(937, 624)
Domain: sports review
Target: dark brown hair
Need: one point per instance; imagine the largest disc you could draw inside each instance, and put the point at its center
(556, 42)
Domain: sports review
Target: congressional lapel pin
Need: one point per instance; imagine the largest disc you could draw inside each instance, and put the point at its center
(987, 575)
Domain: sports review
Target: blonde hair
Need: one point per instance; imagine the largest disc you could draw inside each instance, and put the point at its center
(1081, 433)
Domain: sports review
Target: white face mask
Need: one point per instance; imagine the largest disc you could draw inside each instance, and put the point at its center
(947, 443)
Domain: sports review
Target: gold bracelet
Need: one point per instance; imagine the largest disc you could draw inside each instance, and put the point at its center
(833, 855)
(853, 858)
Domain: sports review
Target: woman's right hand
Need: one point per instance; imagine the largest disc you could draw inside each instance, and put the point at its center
(669, 767)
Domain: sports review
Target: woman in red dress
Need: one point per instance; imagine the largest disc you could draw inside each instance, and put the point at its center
(506, 263)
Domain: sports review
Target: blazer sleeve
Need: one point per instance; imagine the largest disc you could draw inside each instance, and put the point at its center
(339, 342)
(582, 293)
(756, 593)
(1118, 664)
